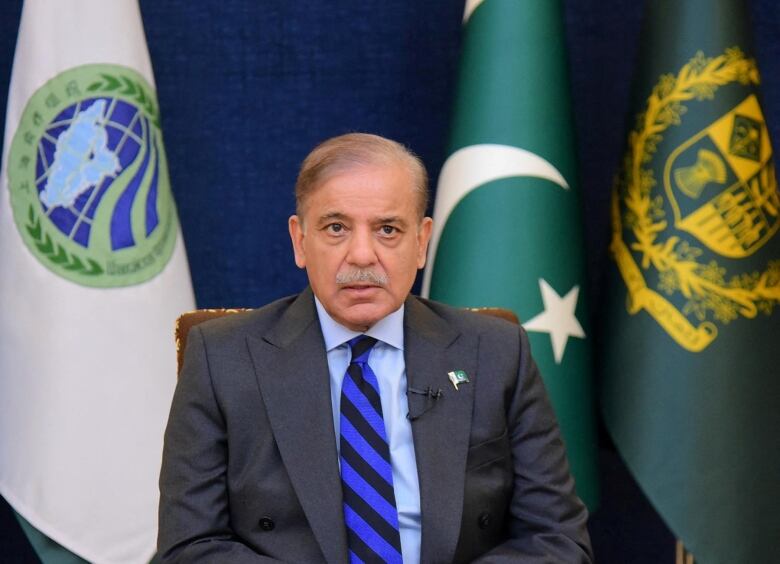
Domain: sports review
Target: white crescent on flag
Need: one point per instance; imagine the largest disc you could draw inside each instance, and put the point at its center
(471, 5)
(471, 167)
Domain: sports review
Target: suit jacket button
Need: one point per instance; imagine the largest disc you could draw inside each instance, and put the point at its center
(267, 524)
(484, 520)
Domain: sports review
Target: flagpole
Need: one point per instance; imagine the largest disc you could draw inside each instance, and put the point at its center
(682, 555)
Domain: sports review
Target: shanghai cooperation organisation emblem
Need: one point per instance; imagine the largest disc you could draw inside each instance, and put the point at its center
(681, 247)
(89, 179)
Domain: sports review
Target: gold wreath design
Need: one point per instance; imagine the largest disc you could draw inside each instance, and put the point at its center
(705, 286)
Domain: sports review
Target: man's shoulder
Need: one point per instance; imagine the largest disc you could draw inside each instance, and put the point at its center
(239, 324)
(467, 320)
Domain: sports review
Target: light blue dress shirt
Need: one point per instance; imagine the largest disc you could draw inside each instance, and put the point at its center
(387, 362)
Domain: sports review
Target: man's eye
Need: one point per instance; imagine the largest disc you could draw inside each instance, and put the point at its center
(335, 227)
(388, 230)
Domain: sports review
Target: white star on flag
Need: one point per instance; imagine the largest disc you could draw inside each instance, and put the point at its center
(557, 319)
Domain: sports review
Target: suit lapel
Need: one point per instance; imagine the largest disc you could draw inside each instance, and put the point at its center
(292, 371)
(441, 434)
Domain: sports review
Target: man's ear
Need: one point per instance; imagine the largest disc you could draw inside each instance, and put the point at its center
(295, 225)
(423, 236)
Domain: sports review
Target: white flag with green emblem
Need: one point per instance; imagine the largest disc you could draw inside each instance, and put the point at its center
(93, 275)
(507, 228)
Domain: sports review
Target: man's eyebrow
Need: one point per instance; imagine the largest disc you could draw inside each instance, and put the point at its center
(330, 217)
(391, 219)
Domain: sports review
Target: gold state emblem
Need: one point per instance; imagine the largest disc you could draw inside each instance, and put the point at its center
(721, 188)
(727, 198)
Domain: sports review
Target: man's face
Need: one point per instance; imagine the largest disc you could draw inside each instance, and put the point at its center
(361, 241)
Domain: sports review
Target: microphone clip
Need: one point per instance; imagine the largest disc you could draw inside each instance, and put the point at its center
(430, 395)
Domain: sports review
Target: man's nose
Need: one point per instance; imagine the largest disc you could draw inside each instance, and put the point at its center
(361, 248)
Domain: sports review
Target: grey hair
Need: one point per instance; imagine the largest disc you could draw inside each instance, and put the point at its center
(353, 150)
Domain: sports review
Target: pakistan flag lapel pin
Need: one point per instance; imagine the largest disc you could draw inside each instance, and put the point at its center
(458, 377)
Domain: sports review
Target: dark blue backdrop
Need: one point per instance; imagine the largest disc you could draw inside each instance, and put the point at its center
(247, 88)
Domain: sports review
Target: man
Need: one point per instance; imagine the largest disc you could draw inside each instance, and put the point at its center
(292, 438)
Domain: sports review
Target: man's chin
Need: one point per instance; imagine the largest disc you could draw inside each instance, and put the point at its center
(363, 315)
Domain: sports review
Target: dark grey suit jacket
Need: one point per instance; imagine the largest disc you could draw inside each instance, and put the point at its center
(250, 470)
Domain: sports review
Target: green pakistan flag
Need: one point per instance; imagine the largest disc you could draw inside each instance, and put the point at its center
(507, 216)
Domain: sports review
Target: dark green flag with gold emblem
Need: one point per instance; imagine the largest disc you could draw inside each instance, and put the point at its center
(691, 380)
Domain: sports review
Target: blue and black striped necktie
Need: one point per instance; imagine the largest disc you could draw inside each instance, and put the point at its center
(370, 512)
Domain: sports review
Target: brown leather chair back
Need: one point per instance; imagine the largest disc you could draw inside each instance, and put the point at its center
(187, 321)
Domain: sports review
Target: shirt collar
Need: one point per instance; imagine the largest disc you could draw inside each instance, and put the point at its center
(389, 330)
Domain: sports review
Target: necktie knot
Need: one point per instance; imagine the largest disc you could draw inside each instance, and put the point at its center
(361, 347)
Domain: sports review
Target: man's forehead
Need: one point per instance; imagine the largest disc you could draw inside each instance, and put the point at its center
(340, 192)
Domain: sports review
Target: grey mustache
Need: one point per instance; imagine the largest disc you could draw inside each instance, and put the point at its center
(361, 275)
